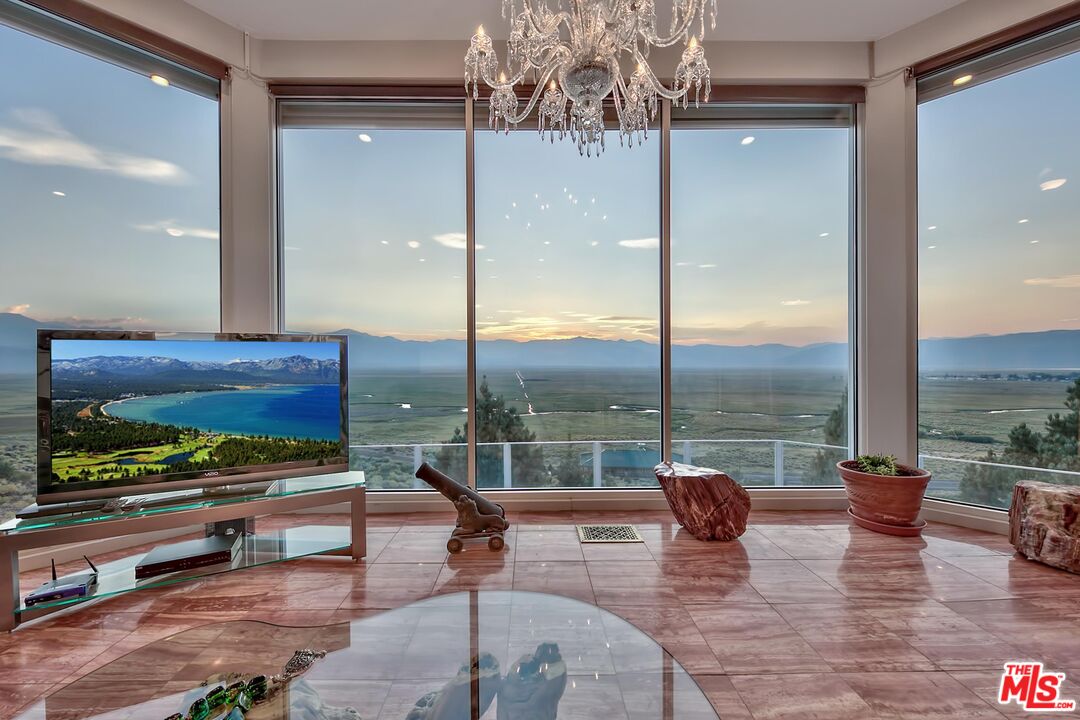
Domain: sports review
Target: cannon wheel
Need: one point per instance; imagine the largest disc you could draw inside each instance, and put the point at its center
(496, 543)
(454, 545)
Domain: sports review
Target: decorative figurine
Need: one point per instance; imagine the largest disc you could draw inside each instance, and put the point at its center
(478, 517)
(534, 686)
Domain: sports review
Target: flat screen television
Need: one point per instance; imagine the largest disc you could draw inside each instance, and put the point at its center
(127, 413)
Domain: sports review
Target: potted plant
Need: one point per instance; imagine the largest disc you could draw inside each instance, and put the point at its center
(884, 495)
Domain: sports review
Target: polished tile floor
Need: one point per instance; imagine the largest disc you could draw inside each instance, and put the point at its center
(803, 617)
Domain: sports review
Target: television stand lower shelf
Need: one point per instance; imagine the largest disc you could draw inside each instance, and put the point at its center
(260, 548)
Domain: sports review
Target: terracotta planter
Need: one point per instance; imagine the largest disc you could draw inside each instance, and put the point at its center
(883, 503)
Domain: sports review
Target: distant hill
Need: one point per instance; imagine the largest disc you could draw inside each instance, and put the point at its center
(1049, 350)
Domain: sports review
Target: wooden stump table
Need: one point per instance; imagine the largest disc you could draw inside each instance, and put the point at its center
(708, 503)
(1044, 523)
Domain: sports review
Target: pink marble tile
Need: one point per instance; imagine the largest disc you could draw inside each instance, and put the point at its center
(918, 696)
(850, 639)
(801, 697)
(750, 639)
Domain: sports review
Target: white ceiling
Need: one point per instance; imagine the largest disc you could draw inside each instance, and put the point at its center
(776, 20)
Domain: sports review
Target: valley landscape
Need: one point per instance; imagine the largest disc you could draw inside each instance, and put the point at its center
(973, 393)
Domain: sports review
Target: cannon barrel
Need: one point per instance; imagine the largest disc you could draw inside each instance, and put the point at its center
(451, 489)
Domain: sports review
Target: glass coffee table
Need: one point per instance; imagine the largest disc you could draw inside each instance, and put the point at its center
(465, 656)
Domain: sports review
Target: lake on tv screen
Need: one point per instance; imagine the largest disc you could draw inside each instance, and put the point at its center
(128, 408)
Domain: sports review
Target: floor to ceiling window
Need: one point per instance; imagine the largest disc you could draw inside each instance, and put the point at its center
(760, 243)
(567, 269)
(568, 312)
(999, 272)
(108, 199)
(373, 245)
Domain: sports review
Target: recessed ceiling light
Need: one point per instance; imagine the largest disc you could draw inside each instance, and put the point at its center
(364, 138)
(931, 247)
(1034, 242)
(160, 80)
(1023, 221)
(175, 232)
(824, 235)
(413, 244)
(1053, 184)
(748, 140)
(59, 193)
(962, 80)
(931, 227)
(385, 242)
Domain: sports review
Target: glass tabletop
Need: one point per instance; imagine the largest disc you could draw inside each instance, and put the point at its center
(538, 657)
(149, 504)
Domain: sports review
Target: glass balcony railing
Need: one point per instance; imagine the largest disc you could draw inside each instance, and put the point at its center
(600, 463)
(985, 483)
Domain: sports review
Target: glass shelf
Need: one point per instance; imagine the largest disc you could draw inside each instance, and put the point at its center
(193, 500)
(263, 548)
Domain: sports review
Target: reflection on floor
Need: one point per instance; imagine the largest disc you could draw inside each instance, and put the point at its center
(803, 617)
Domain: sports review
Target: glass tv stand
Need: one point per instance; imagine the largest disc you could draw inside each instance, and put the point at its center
(217, 508)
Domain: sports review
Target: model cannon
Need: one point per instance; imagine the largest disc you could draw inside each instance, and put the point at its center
(478, 517)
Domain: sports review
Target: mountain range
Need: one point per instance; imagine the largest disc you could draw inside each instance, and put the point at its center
(1048, 350)
(292, 370)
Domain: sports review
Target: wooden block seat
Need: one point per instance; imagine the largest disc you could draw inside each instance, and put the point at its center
(708, 503)
(1044, 523)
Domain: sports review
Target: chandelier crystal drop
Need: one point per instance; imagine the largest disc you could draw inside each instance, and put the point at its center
(572, 51)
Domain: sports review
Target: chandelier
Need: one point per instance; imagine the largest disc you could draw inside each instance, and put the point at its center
(573, 55)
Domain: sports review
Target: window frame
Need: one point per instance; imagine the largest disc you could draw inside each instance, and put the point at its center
(784, 102)
(1040, 40)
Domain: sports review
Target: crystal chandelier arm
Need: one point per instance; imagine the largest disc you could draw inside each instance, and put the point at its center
(535, 97)
(661, 89)
(676, 36)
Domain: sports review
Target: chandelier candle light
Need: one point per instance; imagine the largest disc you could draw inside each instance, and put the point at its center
(574, 53)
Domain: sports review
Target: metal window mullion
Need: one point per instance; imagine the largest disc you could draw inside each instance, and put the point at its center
(665, 281)
(470, 288)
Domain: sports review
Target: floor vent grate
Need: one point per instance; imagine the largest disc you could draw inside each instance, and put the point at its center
(608, 534)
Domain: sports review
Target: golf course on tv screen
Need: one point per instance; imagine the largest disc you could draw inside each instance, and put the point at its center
(128, 409)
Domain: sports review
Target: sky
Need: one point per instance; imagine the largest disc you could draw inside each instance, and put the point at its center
(133, 239)
(568, 246)
(998, 253)
(194, 350)
(109, 195)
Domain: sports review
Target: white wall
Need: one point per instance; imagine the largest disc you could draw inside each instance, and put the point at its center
(887, 261)
(956, 26)
(444, 61)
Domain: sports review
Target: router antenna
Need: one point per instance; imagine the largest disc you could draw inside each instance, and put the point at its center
(92, 566)
(53, 563)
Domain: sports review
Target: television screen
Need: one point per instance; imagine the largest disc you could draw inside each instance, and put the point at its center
(127, 411)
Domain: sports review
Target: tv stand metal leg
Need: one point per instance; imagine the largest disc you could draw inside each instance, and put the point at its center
(9, 589)
(358, 525)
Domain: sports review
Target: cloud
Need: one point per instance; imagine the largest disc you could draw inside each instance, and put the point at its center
(641, 244)
(99, 323)
(44, 141)
(791, 303)
(456, 240)
(174, 229)
(1064, 281)
(18, 309)
(755, 333)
